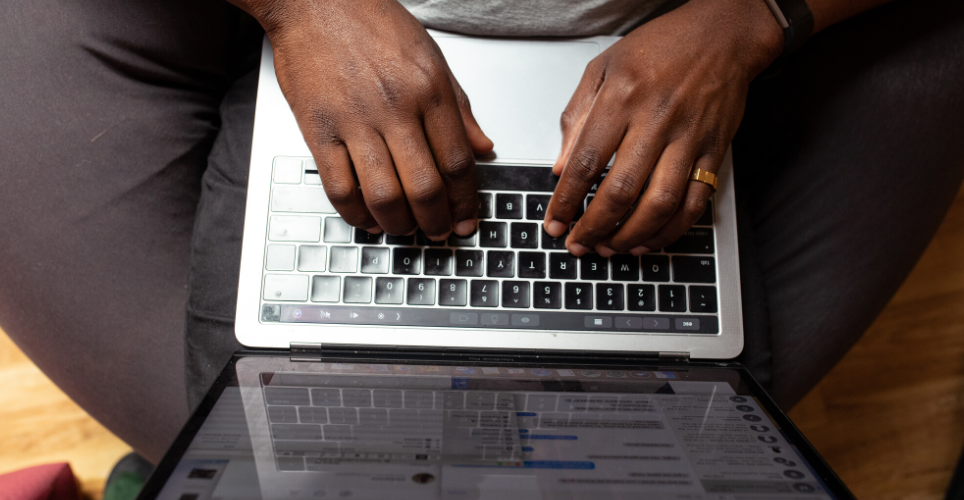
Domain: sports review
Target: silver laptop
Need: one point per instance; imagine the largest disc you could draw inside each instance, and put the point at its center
(310, 281)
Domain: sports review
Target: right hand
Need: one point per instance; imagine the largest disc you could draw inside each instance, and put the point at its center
(375, 99)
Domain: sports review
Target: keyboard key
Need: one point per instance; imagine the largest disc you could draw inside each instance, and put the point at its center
(453, 400)
(515, 294)
(422, 240)
(672, 298)
(419, 399)
(536, 206)
(500, 264)
(285, 287)
(508, 206)
(344, 259)
(343, 416)
(687, 324)
(525, 235)
(493, 234)
(485, 205)
(311, 173)
(374, 260)
(438, 262)
(296, 431)
(407, 261)
(550, 243)
(694, 269)
(283, 415)
(532, 265)
(578, 295)
(287, 170)
(594, 267)
(312, 415)
(312, 258)
(484, 293)
(452, 292)
(373, 416)
(325, 288)
(407, 241)
(294, 228)
(337, 432)
(703, 299)
(609, 296)
(547, 295)
(421, 292)
(389, 290)
(655, 267)
(463, 241)
(358, 290)
(280, 258)
(696, 240)
(562, 266)
(625, 267)
(387, 398)
(479, 400)
(707, 218)
(286, 396)
(468, 262)
(365, 238)
(337, 230)
(325, 397)
(357, 397)
(300, 199)
(642, 298)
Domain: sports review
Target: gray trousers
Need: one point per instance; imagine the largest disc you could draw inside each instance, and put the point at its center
(125, 132)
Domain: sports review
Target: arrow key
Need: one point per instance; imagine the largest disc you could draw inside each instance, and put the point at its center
(628, 322)
(656, 324)
(515, 294)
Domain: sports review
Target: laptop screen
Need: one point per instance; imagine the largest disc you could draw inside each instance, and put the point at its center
(347, 429)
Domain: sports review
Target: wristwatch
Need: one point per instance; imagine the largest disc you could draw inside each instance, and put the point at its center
(796, 20)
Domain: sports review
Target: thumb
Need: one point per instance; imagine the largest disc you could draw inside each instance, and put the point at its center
(481, 143)
(574, 116)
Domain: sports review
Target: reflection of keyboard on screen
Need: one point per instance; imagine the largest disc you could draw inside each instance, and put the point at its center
(316, 427)
(509, 274)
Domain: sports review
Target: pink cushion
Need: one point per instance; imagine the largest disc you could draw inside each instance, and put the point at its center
(43, 482)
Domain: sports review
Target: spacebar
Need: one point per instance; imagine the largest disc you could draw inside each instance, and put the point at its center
(587, 321)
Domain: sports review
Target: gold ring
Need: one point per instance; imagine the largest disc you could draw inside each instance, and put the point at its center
(705, 177)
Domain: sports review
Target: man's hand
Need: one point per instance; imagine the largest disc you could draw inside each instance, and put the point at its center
(380, 109)
(665, 99)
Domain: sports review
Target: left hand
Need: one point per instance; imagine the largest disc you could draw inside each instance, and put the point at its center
(666, 99)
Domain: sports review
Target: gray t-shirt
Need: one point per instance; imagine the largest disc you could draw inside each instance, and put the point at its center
(563, 18)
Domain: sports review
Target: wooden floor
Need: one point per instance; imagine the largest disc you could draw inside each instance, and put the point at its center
(889, 418)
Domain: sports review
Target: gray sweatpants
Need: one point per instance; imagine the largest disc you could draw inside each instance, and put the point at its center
(124, 139)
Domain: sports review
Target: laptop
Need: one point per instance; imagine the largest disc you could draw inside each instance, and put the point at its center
(490, 366)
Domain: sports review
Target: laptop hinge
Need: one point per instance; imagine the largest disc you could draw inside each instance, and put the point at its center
(305, 347)
(677, 355)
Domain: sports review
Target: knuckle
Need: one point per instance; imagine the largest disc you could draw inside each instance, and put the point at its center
(694, 208)
(382, 199)
(621, 189)
(460, 166)
(663, 203)
(583, 164)
(425, 193)
(323, 124)
(339, 193)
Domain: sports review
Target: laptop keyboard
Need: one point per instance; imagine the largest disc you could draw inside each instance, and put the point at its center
(509, 274)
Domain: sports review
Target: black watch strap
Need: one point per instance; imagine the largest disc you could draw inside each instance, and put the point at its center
(796, 20)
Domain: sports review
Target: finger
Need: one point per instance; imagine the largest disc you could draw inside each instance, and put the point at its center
(574, 116)
(479, 142)
(597, 142)
(380, 188)
(340, 185)
(694, 203)
(456, 164)
(618, 192)
(661, 199)
(423, 186)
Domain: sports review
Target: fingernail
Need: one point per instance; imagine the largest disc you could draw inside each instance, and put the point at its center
(605, 251)
(413, 231)
(374, 230)
(440, 238)
(555, 228)
(465, 227)
(577, 249)
(639, 250)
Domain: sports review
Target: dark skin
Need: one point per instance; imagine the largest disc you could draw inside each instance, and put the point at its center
(375, 100)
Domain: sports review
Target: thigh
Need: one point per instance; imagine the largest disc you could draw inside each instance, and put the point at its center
(846, 163)
(108, 111)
